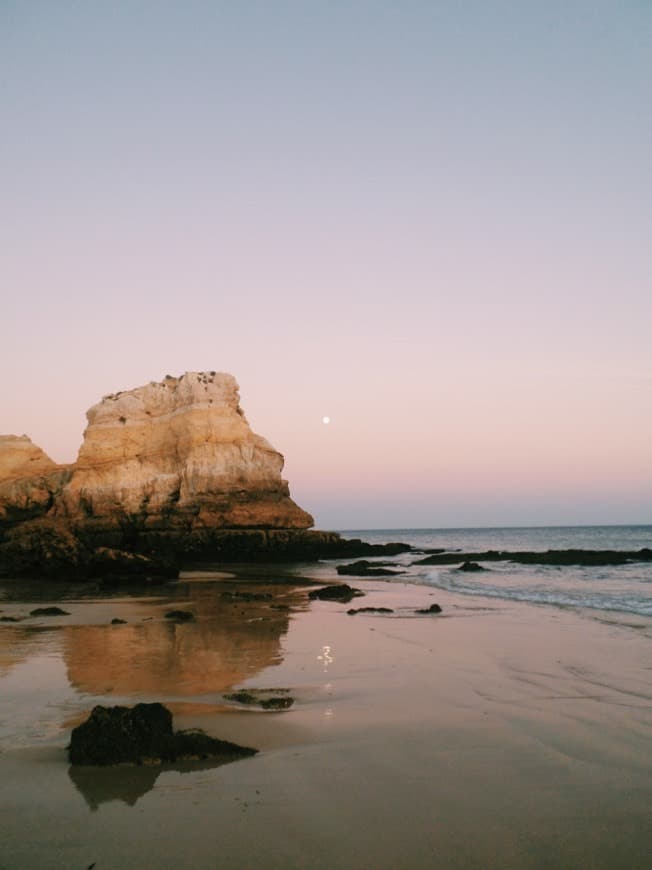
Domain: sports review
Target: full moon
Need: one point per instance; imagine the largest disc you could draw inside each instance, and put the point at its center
(325, 420)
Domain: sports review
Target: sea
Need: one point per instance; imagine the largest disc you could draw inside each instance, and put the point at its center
(621, 588)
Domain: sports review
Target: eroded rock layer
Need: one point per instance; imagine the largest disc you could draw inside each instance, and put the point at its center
(29, 479)
(178, 453)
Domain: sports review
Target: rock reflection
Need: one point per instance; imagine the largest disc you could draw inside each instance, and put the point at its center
(230, 641)
(99, 785)
(18, 643)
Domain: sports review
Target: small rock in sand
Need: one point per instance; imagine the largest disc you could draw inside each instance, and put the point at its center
(341, 592)
(369, 610)
(434, 608)
(180, 616)
(48, 611)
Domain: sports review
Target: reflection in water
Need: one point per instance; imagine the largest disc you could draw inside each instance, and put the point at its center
(230, 641)
(326, 658)
(17, 643)
(99, 785)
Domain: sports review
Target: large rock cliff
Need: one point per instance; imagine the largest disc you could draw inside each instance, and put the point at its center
(178, 454)
(168, 474)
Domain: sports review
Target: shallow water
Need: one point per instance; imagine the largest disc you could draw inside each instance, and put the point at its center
(494, 735)
(619, 588)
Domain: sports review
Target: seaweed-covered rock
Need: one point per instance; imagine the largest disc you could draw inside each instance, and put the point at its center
(142, 735)
(180, 616)
(363, 568)
(550, 557)
(266, 699)
(339, 592)
(434, 608)
(48, 611)
(355, 610)
(471, 566)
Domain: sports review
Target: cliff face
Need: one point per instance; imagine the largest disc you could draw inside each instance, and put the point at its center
(29, 479)
(178, 454)
(167, 472)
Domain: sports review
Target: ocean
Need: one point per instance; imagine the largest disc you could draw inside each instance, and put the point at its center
(622, 588)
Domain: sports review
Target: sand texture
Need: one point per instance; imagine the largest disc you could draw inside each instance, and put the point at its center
(494, 734)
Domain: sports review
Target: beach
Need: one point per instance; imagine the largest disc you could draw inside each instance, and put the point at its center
(494, 734)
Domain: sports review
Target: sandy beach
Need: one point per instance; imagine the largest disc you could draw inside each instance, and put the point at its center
(493, 735)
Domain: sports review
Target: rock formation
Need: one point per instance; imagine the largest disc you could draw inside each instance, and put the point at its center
(143, 735)
(169, 472)
(29, 479)
(179, 453)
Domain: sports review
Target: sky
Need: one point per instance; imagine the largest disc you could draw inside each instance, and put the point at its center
(429, 221)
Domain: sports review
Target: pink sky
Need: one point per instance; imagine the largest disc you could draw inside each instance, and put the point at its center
(432, 225)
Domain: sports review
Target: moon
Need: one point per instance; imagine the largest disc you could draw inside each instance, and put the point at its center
(325, 420)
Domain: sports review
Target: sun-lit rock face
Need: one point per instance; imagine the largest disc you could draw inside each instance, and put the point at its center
(178, 453)
(20, 457)
(29, 479)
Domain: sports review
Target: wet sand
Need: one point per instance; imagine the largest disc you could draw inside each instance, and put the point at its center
(493, 735)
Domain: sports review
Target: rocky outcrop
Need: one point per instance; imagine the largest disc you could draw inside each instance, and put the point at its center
(143, 735)
(170, 471)
(363, 568)
(165, 467)
(178, 453)
(550, 557)
(337, 592)
(175, 454)
(29, 479)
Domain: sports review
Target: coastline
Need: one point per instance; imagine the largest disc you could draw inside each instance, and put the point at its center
(496, 734)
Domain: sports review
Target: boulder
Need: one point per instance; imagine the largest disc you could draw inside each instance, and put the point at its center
(180, 616)
(48, 611)
(434, 608)
(266, 699)
(142, 735)
(339, 592)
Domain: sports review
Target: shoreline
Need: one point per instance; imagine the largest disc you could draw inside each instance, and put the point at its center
(495, 734)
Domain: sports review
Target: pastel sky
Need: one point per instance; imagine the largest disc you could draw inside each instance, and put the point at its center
(431, 221)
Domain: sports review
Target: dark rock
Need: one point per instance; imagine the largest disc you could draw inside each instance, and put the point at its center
(11, 618)
(369, 610)
(471, 566)
(48, 611)
(117, 566)
(52, 548)
(41, 548)
(116, 621)
(135, 552)
(434, 608)
(180, 616)
(363, 568)
(550, 557)
(340, 592)
(139, 735)
(267, 699)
